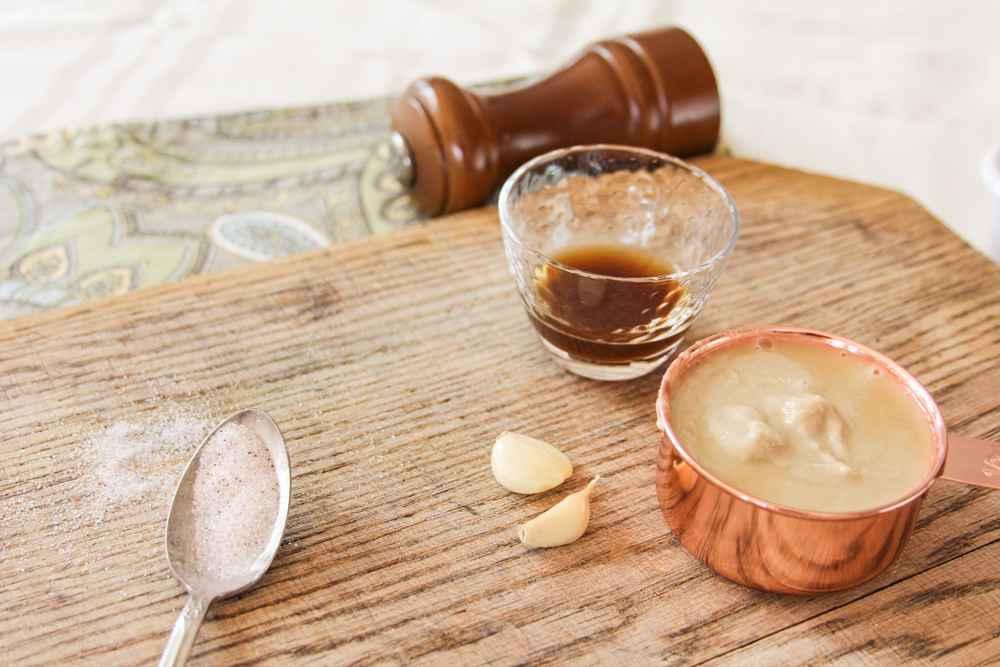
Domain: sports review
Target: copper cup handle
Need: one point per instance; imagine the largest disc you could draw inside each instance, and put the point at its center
(972, 461)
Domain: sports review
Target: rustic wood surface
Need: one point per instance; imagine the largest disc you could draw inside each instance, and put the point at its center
(391, 364)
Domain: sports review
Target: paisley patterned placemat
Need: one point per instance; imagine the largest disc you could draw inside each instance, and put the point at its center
(88, 213)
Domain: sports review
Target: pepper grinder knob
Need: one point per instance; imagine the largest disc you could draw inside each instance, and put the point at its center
(451, 148)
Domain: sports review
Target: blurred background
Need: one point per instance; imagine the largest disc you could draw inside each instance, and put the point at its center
(903, 94)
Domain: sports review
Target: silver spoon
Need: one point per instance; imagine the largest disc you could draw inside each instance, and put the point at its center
(206, 582)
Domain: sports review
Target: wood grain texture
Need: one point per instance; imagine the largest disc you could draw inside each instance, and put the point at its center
(391, 364)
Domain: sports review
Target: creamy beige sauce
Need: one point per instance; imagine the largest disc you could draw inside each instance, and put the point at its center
(803, 425)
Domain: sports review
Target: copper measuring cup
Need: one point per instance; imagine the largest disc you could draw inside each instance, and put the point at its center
(784, 550)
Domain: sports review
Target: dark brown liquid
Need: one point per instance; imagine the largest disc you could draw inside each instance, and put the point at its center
(602, 320)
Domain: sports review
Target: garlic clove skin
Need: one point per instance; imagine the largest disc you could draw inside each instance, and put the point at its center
(527, 465)
(562, 524)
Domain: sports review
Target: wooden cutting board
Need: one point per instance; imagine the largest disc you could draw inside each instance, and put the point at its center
(391, 364)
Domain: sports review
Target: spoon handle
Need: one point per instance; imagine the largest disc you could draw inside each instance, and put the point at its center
(972, 461)
(185, 630)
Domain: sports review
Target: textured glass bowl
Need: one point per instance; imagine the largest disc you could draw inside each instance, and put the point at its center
(615, 196)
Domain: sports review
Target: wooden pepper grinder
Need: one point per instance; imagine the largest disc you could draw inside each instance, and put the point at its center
(452, 148)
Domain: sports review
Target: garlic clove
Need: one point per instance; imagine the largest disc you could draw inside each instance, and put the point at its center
(527, 465)
(561, 524)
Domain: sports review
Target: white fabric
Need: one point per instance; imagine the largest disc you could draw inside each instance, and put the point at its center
(899, 93)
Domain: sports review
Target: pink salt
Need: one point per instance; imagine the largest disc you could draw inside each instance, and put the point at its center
(234, 501)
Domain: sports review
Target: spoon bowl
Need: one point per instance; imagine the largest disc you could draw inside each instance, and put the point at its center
(186, 543)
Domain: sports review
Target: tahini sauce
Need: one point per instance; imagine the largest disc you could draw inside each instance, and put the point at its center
(803, 425)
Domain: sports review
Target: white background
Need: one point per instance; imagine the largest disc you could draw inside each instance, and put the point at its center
(899, 93)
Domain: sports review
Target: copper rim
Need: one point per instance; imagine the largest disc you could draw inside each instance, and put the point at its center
(679, 367)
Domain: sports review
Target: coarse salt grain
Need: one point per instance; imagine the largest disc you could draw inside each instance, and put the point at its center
(234, 502)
